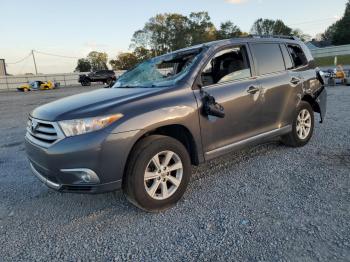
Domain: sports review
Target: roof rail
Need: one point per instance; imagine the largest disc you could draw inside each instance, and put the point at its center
(291, 37)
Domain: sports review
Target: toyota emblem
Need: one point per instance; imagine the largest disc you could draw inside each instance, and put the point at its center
(34, 125)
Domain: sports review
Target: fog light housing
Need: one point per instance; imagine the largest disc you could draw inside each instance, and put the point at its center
(84, 175)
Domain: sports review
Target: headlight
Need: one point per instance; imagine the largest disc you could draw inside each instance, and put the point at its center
(86, 125)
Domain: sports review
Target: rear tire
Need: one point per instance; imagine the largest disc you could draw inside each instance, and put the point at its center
(302, 127)
(158, 172)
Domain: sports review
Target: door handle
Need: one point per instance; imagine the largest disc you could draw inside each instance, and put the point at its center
(252, 90)
(295, 80)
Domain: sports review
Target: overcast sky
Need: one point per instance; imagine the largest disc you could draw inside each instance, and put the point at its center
(74, 28)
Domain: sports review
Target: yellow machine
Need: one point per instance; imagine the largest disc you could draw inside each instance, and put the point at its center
(36, 85)
(340, 74)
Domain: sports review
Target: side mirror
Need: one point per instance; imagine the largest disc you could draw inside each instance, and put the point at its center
(215, 110)
(211, 107)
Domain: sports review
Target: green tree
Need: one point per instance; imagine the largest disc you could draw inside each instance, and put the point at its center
(341, 34)
(143, 54)
(98, 60)
(157, 33)
(329, 33)
(177, 33)
(124, 61)
(163, 33)
(170, 31)
(141, 38)
(270, 27)
(302, 36)
(83, 65)
(228, 30)
(201, 28)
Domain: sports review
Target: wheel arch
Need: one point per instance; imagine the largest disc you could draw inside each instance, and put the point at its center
(176, 131)
(312, 101)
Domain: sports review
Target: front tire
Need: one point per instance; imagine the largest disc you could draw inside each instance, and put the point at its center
(157, 174)
(86, 83)
(109, 82)
(302, 127)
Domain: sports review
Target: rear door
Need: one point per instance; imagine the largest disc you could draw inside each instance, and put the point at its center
(276, 84)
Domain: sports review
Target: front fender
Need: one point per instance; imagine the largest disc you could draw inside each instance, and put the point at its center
(149, 121)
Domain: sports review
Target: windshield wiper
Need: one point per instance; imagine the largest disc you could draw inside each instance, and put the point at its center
(126, 86)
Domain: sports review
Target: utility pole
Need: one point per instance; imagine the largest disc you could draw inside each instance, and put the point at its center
(36, 70)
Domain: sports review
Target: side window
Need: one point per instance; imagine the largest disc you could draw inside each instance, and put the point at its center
(297, 55)
(287, 59)
(268, 58)
(227, 65)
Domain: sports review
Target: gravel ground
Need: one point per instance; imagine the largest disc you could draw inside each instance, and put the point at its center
(266, 203)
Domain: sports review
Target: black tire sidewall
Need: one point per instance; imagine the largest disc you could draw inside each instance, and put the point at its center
(301, 142)
(136, 189)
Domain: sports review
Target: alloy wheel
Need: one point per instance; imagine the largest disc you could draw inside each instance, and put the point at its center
(163, 175)
(303, 124)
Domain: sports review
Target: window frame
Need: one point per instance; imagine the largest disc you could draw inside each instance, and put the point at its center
(284, 58)
(299, 46)
(215, 52)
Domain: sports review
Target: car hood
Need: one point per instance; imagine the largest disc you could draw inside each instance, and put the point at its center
(90, 104)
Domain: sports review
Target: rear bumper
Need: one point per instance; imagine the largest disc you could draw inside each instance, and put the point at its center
(321, 100)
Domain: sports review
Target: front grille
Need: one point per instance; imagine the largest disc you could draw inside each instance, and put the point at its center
(43, 133)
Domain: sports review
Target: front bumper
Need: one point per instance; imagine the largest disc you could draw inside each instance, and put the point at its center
(103, 154)
(87, 188)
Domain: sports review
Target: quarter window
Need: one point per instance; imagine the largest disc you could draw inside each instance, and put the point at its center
(287, 59)
(297, 55)
(227, 65)
(268, 58)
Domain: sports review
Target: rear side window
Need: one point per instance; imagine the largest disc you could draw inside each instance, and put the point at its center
(268, 58)
(298, 56)
(287, 59)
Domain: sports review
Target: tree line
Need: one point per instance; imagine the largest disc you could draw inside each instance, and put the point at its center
(339, 32)
(167, 32)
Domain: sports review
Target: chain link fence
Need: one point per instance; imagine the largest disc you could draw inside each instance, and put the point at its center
(71, 79)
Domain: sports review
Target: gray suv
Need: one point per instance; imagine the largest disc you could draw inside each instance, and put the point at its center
(174, 111)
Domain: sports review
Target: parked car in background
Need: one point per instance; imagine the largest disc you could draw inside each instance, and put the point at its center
(36, 85)
(105, 76)
(145, 132)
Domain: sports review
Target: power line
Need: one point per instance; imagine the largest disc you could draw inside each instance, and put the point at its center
(314, 21)
(19, 61)
(62, 56)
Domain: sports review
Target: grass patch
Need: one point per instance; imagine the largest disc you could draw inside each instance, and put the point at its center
(329, 60)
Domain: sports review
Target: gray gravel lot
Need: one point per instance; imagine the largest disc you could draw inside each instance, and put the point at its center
(266, 203)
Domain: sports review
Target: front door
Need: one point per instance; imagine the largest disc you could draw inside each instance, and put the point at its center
(228, 78)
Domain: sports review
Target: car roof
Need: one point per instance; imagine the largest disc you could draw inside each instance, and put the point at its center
(253, 39)
(247, 39)
(238, 40)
